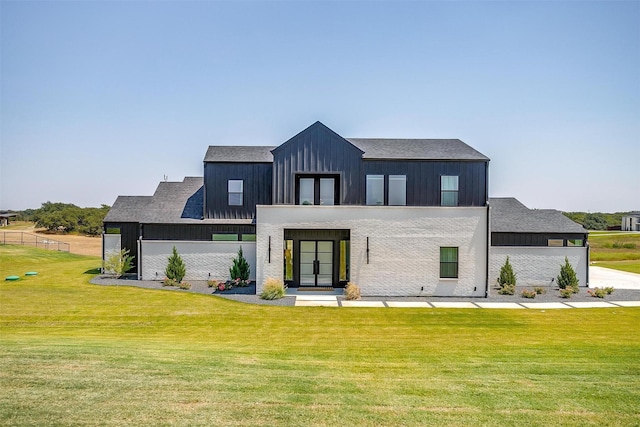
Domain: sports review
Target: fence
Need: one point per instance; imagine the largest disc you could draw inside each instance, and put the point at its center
(28, 239)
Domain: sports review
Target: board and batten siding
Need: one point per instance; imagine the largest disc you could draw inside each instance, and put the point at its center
(423, 179)
(317, 150)
(197, 232)
(256, 177)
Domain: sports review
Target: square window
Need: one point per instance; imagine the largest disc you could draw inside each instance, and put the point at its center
(397, 190)
(449, 263)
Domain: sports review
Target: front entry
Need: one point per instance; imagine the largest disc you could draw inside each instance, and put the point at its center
(316, 263)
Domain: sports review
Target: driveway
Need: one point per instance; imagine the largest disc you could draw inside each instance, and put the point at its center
(600, 277)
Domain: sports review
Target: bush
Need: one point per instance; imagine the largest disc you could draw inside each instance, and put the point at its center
(169, 282)
(212, 283)
(118, 263)
(600, 293)
(567, 278)
(184, 285)
(507, 276)
(609, 290)
(273, 289)
(240, 268)
(507, 290)
(175, 268)
(566, 293)
(540, 290)
(352, 292)
(529, 294)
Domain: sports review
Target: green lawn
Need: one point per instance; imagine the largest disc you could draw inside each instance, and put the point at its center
(617, 250)
(78, 354)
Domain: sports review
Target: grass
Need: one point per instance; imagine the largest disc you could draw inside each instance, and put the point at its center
(73, 353)
(617, 250)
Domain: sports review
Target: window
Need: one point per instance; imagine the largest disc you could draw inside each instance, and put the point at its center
(574, 242)
(397, 190)
(449, 190)
(375, 190)
(344, 260)
(327, 191)
(555, 242)
(113, 230)
(225, 237)
(235, 189)
(288, 260)
(449, 263)
(248, 237)
(317, 190)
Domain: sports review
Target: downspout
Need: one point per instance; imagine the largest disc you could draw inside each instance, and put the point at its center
(588, 256)
(102, 266)
(486, 287)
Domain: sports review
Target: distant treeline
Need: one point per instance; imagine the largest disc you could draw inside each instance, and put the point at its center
(598, 220)
(66, 218)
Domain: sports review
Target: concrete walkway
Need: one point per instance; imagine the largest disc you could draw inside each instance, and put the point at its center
(334, 301)
(600, 277)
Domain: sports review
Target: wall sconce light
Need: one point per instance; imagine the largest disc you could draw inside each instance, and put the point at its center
(367, 250)
(269, 249)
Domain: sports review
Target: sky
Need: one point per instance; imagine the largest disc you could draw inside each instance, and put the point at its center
(106, 98)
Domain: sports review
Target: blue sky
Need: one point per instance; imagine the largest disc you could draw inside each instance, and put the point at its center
(100, 99)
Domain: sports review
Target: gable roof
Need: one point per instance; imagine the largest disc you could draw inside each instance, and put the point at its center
(239, 154)
(314, 130)
(416, 149)
(508, 215)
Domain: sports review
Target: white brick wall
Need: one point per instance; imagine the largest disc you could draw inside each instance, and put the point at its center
(536, 266)
(404, 244)
(200, 258)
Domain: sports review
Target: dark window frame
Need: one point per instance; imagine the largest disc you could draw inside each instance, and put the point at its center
(444, 192)
(445, 265)
(316, 187)
(235, 193)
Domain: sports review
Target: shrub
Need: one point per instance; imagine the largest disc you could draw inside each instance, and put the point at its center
(352, 291)
(118, 263)
(273, 289)
(507, 289)
(566, 293)
(529, 294)
(240, 268)
(184, 285)
(169, 282)
(212, 283)
(597, 293)
(175, 268)
(567, 278)
(540, 290)
(609, 290)
(507, 276)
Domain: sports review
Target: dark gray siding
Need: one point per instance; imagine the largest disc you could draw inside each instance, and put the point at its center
(532, 239)
(423, 179)
(317, 150)
(129, 232)
(192, 231)
(257, 178)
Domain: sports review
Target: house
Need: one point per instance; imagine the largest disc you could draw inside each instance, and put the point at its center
(5, 217)
(400, 217)
(631, 222)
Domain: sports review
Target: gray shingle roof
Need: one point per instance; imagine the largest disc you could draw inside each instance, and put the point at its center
(418, 149)
(508, 215)
(242, 154)
(172, 202)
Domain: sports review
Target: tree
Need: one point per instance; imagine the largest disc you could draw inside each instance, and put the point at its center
(118, 263)
(507, 276)
(595, 221)
(175, 268)
(567, 278)
(240, 268)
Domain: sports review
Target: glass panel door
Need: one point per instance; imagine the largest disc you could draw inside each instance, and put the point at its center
(325, 261)
(307, 263)
(327, 191)
(316, 263)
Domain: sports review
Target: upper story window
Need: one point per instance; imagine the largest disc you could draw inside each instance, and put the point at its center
(236, 190)
(397, 190)
(375, 190)
(449, 190)
(317, 190)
